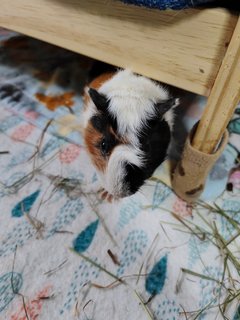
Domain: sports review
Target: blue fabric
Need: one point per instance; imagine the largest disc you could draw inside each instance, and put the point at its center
(167, 4)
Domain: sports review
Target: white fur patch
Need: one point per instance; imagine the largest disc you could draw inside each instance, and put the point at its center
(132, 99)
(115, 172)
(89, 111)
(169, 115)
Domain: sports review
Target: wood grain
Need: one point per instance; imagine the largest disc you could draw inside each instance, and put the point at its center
(181, 48)
(223, 99)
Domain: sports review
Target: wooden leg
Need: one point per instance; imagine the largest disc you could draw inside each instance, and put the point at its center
(223, 99)
(203, 147)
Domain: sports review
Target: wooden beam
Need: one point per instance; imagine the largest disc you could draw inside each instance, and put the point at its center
(223, 99)
(182, 48)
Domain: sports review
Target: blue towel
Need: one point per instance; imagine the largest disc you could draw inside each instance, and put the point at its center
(167, 4)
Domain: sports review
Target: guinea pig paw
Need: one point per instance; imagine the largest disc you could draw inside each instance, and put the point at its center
(106, 195)
(110, 198)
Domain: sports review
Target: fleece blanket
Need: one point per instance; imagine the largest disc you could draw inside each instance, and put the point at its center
(168, 4)
(65, 253)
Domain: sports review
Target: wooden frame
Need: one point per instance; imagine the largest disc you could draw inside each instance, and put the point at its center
(196, 50)
(181, 48)
(223, 99)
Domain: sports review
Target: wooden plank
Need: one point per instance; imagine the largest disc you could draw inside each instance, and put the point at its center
(223, 99)
(183, 48)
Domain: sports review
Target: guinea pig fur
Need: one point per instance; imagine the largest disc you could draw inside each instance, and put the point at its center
(128, 120)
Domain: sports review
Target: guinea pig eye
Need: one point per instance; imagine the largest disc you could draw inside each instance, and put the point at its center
(104, 147)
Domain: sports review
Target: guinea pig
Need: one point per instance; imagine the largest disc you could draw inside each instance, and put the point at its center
(128, 120)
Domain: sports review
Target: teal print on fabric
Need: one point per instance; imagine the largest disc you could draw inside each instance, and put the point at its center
(209, 290)
(85, 238)
(237, 314)
(25, 205)
(10, 284)
(17, 236)
(232, 209)
(9, 123)
(84, 274)
(161, 193)
(196, 248)
(128, 212)
(134, 246)
(9, 182)
(221, 167)
(51, 145)
(67, 214)
(20, 158)
(167, 310)
(156, 278)
(234, 126)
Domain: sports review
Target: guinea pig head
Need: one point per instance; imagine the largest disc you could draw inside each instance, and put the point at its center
(127, 131)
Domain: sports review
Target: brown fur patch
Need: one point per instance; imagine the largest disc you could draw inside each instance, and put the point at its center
(100, 80)
(92, 138)
(194, 191)
(96, 84)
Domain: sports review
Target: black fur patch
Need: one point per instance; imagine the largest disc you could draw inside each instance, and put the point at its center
(134, 178)
(100, 100)
(107, 144)
(99, 122)
(154, 142)
(99, 68)
(102, 123)
(104, 119)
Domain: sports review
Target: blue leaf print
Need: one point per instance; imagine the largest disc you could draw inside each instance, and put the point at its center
(20, 158)
(196, 248)
(128, 212)
(50, 146)
(67, 214)
(25, 205)
(209, 290)
(9, 182)
(85, 273)
(237, 315)
(9, 123)
(10, 284)
(232, 209)
(168, 309)
(17, 236)
(134, 246)
(84, 239)
(156, 278)
(161, 193)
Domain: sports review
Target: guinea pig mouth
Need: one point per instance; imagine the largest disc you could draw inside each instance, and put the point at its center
(133, 179)
(124, 174)
(130, 181)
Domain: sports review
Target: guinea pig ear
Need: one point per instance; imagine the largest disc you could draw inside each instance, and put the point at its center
(164, 106)
(98, 99)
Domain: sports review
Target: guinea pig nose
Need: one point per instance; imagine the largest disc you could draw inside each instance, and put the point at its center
(133, 179)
